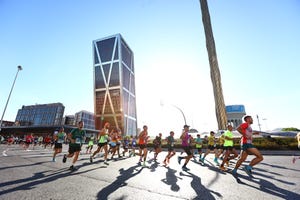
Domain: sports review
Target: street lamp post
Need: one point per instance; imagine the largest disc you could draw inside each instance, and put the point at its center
(162, 104)
(181, 113)
(258, 122)
(12, 87)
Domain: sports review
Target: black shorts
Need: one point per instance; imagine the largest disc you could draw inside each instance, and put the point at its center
(157, 146)
(211, 147)
(58, 146)
(142, 146)
(102, 144)
(199, 149)
(220, 147)
(73, 149)
(187, 150)
(170, 149)
(230, 148)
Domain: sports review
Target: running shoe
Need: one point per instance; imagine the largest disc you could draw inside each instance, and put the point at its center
(248, 169)
(216, 161)
(202, 160)
(234, 172)
(64, 158)
(179, 160)
(72, 168)
(53, 160)
(91, 159)
(184, 168)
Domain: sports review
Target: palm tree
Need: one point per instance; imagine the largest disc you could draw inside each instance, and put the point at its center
(214, 67)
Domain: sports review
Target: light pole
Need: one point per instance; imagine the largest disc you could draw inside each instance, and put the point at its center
(12, 87)
(162, 104)
(258, 122)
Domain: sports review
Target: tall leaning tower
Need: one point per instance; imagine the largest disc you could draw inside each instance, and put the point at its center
(114, 84)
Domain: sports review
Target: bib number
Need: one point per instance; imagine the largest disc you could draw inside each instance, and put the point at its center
(60, 141)
(78, 140)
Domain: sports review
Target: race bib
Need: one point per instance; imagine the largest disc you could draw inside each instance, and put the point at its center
(78, 140)
(60, 141)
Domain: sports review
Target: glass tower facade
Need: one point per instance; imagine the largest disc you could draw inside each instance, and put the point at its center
(41, 114)
(87, 118)
(114, 84)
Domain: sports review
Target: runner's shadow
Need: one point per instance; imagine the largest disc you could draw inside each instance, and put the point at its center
(210, 166)
(119, 182)
(268, 187)
(201, 191)
(29, 165)
(279, 167)
(264, 174)
(38, 178)
(171, 179)
(154, 166)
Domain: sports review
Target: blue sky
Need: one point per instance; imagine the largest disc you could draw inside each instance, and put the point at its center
(257, 45)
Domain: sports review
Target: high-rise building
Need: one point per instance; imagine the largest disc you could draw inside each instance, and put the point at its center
(87, 118)
(114, 84)
(235, 113)
(41, 114)
(69, 120)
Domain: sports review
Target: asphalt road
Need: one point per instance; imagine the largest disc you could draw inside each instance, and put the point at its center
(33, 175)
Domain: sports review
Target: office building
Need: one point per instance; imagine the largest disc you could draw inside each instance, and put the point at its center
(41, 114)
(69, 120)
(235, 114)
(114, 84)
(87, 118)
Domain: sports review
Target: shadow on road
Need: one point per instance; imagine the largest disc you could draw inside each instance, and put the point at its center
(201, 191)
(38, 178)
(119, 182)
(171, 179)
(267, 186)
(20, 166)
(279, 167)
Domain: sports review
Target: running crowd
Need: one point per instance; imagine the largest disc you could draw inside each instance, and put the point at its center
(109, 142)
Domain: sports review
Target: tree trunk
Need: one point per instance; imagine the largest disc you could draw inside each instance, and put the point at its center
(214, 68)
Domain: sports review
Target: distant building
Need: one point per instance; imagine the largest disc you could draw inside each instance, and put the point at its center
(87, 118)
(7, 123)
(235, 114)
(114, 84)
(69, 120)
(41, 114)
